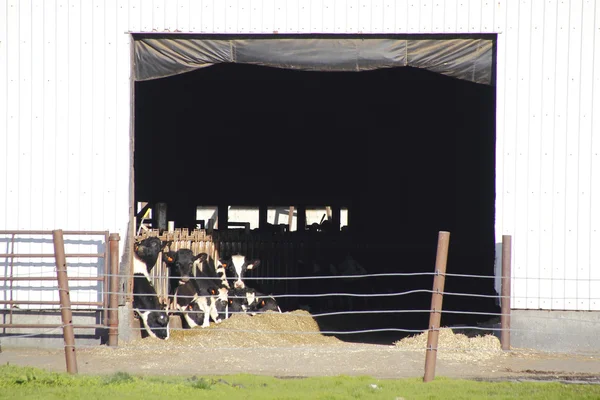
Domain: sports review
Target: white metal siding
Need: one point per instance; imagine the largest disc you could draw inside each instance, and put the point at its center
(65, 92)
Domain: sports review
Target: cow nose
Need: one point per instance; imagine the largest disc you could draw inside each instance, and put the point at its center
(185, 278)
(239, 285)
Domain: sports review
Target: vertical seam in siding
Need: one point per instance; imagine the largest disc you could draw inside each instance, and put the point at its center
(515, 129)
(592, 156)
(552, 277)
(564, 277)
(529, 149)
(577, 268)
(18, 104)
(541, 112)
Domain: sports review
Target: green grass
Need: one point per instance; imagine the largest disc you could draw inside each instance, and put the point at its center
(32, 383)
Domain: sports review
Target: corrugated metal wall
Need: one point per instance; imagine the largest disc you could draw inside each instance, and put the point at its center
(65, 113)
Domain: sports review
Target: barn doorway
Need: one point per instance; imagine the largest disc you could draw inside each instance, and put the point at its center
(410, 152)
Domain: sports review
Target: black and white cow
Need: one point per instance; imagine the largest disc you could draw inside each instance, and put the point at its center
(180, 264)
(258, 303)
(148, 250)
(236, 267)
(197, 305)
(146, 305)
(238, 301)
(201, 291)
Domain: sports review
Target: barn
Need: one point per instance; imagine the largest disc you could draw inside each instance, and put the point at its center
(399, 118)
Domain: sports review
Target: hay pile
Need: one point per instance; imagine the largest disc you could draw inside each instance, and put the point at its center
(296, 328)
(456, 346)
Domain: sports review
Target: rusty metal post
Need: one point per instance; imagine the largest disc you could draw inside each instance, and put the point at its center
(505, 292)
(65, 300)
(435, 316)
(113, 303)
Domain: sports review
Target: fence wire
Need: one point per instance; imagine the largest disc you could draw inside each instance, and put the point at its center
(403, 332)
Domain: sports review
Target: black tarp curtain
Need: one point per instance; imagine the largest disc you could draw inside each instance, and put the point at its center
(471, 59)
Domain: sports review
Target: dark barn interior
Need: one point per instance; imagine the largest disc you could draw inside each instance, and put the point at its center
(408, 151)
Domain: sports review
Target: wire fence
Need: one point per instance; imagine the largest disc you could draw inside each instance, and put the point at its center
(478, 322)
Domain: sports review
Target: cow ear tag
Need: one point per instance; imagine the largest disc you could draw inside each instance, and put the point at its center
(169, 259)
(262, 303)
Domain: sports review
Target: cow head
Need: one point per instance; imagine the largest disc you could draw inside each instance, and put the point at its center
(155, 322)
(237, 299)
(237, 266)
(148, 250)
(181, 263)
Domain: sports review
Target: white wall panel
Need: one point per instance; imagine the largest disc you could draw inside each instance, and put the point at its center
(256, 16)
(316, 16)
(219, 11)
(508, 157)
(450, 16)
(37, 113)
(402, 16)
(171, 11)
(243, 17)
(341, 12)
(65, 69)
(474, 24)
(13, 94)
(352, 17)
(437, 21)
(3, 111)
(547, 29)
(232, 16)
(572, 116)
(183, 15)
(595, 166)
(584, 173)
(96, 127)
(534, 78)
(24, 166)
(413, 12)
(560, 155)
(109, 61)
(63, 198)
(365, 16)
(462, 15)
(74, 117)
(87, 113)
(158, 15)
(488, 9)
(426, 16)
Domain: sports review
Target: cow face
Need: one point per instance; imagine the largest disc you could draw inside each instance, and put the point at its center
(194, 316)
(181, 263)
(155, 322)
(148, 250)
(237, 266)
(222, 302)
(263, 304)
(237, 299)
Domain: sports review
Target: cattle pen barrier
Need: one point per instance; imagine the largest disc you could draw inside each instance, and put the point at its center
(106, 277)
(498, 326)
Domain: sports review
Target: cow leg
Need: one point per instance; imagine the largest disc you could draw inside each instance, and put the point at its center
(214, 314)
(206, 309)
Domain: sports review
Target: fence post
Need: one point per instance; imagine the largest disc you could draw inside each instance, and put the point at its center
(435, 316)
(113, 304)
(505, 292)
(65, 300)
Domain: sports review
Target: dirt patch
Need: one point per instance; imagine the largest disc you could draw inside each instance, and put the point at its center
(291, 345)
